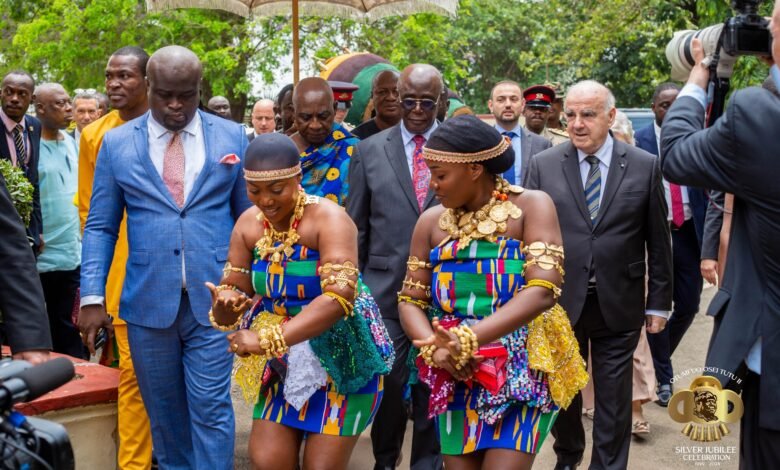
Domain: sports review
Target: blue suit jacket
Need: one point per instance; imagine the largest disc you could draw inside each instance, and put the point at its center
(697, 198)
(159, 232)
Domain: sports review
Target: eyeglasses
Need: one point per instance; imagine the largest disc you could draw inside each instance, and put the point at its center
(425, 104)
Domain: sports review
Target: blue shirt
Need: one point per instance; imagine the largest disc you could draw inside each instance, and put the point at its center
(517, 146)
(58, 180)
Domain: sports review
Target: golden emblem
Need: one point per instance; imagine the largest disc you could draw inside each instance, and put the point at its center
(487, 227)
(499, 213)
(705, 409)
(446, 220)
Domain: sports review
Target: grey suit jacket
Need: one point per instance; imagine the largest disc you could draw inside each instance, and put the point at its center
(738, 155)
(530, 145)
(384, 207)
(629, 237)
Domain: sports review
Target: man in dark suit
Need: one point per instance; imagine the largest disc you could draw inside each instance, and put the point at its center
(506, 103)
(22, 139)
(687, 208)
(738, 155)
(26, 327)
(388, 190)
(611, 208)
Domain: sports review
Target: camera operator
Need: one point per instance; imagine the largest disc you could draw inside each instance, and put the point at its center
(24, 315)
(739, 155)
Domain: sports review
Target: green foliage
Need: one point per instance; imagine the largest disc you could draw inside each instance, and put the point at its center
(19, 188)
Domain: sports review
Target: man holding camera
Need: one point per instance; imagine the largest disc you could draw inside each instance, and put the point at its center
(738, 155)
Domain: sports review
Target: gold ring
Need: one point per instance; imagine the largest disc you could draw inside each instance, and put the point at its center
(235, 346)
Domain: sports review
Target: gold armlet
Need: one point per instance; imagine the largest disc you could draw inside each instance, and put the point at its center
(411, 300)
(537, 249)
(412, 284)
(339, 274)
(229, 268)
(346, 305)
(414, 263)
(468, 345)
(544, 283)
(221, 327)
(545, 262)
(426, 353)
(341, 283)
(272, 341)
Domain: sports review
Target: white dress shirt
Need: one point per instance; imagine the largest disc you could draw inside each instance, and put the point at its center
(194, 149)
(667, 192)
(407, 138)
(604, 154)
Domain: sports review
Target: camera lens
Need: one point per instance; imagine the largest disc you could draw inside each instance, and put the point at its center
(679, 52)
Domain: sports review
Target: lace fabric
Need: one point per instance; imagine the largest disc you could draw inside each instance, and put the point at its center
(305, 375)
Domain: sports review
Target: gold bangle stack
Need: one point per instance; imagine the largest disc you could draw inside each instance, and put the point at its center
(412, 284)
(468, 344)
(426, 353)
(346, 305)
(544, 283)
(272, 341)
(544, 255)
(220, 327)
(423, 305)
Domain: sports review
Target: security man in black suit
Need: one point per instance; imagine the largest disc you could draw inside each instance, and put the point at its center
(612, 212)
(739, 155)
(21, 139)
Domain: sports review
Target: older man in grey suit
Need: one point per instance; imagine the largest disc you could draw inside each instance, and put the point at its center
(612, 211)
(388, 190)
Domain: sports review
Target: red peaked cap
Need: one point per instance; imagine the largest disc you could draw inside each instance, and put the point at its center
(539, 95)
(342, 91)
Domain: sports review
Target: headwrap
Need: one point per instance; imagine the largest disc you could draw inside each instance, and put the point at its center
(467, 139)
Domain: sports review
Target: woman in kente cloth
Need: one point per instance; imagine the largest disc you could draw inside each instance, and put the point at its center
(312, 350)
(479, 300)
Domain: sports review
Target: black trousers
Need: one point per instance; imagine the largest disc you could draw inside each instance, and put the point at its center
(59, 291)
(759, 448)
(387, 432)
(611, 363)
(686, 295)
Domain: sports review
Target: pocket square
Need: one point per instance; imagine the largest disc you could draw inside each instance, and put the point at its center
(230, 159)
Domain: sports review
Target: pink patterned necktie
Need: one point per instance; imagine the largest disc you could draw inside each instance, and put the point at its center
(422, 175)
(173, 168)
(678, 212)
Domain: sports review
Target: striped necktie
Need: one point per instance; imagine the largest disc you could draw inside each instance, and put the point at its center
(593, 186)
(21, 152)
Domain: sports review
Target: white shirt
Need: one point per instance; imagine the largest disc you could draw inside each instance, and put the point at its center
(667, 192)
(194, 149)
(517, 146)
(604, 154)
(407, 138)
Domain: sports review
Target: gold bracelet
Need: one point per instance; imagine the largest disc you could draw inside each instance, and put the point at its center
(339, 274)
(412, 284)
(220, 327)
(346, 305)
(232, 287)
(414, 263)
(540, 248)
(545, 262)
(544, 283)
(229, 268)
(468, 345)
(342, 283)
(272, 342)
(423, 305)
(426, 353)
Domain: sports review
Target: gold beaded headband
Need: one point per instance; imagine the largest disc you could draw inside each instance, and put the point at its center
(272, 175)
(455, 157)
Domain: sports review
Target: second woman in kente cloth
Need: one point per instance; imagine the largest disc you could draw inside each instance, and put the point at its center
(479, 300)
(313, 350)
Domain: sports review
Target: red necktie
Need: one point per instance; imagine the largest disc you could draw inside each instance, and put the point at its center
(422, 175)
(173, 168)
(678, 213)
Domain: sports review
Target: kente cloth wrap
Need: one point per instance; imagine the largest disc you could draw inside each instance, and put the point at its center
(353, 353)
(325, 168)
(470, 283)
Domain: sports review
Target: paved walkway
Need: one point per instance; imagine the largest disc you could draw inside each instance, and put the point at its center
(665, 448)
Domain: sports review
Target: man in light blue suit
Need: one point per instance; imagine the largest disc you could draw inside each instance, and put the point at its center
(174, 170)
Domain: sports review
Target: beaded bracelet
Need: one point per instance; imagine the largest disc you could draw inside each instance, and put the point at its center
(468, 345)
(220, 327)
(544, 283)
(423, 305)
(272, 342)
(426, 353)
(345, 304)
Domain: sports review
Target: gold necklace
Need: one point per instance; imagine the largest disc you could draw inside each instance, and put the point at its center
(486, 222)
(267, 245)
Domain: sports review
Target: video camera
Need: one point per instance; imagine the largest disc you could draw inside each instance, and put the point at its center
(32, 443)
(747, 33)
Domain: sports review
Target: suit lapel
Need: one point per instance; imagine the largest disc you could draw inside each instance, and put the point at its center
(394, 147)
(617, 170)
(5, 152)
(141, 140)
(571, 171)
(208, 164)
(525, 152)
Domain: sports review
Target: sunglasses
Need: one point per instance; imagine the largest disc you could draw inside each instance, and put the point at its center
(425, 104)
